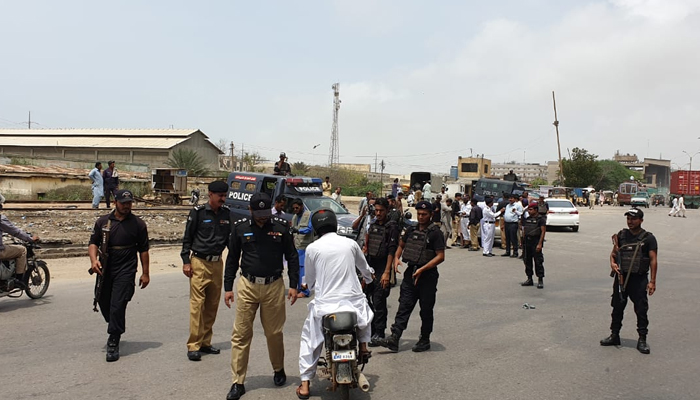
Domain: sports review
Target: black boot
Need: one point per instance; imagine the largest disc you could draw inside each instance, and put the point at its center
(642, 345)
(18, 282)
(113, 348)
(391, 343)
(528, 282)
(540, 283)
(612, 340)
(423, 344)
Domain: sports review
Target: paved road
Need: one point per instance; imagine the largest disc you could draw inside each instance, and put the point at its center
(485, 346)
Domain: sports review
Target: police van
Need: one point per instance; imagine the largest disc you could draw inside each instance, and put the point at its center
(242, 186)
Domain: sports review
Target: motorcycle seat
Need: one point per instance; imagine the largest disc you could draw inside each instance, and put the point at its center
(344, 321)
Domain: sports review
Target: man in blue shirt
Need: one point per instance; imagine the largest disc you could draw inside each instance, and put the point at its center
(511, 216)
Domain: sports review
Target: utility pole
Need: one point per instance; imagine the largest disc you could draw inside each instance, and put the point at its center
(242, 157)
(375, 163)
(334, 152)
(556, 126)
(233, 159)
(29, 121)
(381, 179)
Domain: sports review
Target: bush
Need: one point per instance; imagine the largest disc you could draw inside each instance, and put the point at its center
(69, 193)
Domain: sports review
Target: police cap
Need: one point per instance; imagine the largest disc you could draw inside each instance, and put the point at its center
(218, 187)
(424, 205)
(635, 213)
(124, 196)
(261, 205)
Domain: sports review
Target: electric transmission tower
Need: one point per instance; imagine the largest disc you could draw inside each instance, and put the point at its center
(334, 151)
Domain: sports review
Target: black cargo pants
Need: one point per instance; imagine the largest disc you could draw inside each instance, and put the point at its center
(423, 292)
(378, 297)
(637, 292)
(531, 255)
(117, 290)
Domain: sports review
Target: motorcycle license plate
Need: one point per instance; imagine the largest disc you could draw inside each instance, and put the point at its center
(343, 355)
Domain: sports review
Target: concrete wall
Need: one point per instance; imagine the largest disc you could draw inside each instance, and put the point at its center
(28, 187)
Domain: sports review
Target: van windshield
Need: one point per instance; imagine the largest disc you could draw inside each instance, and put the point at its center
(316, 203)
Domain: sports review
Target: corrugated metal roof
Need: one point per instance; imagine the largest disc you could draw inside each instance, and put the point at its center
(99, 132)
(55, 171)
(93, 142)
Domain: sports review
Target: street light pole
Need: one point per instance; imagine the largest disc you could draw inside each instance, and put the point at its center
(690, 166)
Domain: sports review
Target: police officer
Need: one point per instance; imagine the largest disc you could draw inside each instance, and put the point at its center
(127, 237)
(282, 167)
(111, 182)
(206, 236)
(422, 248)
(262, 240)
(382, 240)
(534, 229)
(634, 254)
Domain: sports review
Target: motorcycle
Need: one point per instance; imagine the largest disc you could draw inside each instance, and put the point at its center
(343, 363)
(36, 276)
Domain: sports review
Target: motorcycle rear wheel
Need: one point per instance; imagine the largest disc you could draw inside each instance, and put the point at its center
(344, 392)
(38, 281)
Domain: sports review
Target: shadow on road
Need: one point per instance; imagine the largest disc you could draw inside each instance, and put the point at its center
(8, 304)
(127, 348)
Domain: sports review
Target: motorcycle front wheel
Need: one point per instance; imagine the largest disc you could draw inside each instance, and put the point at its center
(38, 280)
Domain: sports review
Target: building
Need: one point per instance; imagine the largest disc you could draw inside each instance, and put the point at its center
(656, 172)
(525, 172)
(473, 167)
(151, 147)
(552, 172)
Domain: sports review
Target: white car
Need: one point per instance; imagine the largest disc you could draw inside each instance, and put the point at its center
(562, 212)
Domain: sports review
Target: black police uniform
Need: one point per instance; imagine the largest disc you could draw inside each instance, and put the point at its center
(382, 241)
(424, 291)
(262, 252)
(207, 232)
(532, 231)
(127, 238)
(636, 281)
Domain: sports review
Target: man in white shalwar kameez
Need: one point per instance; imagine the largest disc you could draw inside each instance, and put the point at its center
(488, 227)
(331, 263)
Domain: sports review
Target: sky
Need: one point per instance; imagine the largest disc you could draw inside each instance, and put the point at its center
(421, 82)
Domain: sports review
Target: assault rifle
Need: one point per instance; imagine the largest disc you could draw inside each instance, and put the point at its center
(102, 255)
(620, 280)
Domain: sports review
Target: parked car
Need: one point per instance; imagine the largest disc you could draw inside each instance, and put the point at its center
(641, 199)
(562, 212)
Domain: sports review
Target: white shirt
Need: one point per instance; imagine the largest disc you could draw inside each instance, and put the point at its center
(466, 209)
(330, 264)
(337, 197)
(513, 212)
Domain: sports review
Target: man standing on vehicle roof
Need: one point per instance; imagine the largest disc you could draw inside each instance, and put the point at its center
(422, 247)
(327, 187)
(634, 254)
(127, 242)
(303, 236)
(534, 229)
(13, 251)
(282, 167)
(258, 244)
(206, 236)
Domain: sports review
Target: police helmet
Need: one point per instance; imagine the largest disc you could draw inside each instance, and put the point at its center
(324, 221)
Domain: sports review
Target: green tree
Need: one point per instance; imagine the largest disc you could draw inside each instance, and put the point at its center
(612, 174)
(537, 182)
(582, 169)
(300, 168)
(187, 159)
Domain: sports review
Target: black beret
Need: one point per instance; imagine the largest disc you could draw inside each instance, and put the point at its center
(424, 205)
(218, 187)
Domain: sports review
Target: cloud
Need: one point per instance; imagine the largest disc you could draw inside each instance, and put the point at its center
(662, 11)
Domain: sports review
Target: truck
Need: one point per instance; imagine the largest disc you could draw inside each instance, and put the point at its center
(496, 187)
(626, 191)
(169, 184)
(687, 184)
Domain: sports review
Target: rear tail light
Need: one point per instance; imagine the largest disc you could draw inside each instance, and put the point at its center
(550, 212)
(574, 212)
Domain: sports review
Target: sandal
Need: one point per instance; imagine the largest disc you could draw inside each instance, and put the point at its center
(365, 356)
(302, 396)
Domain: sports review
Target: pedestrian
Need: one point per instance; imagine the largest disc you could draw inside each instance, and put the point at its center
(395, 187)
(380, 247)
(303, 236)
(282, 167)
(674, 207)
(501, 204)
(446, 221)
(456, 217)
(257, 246)
(427, 194)
(591, 199)
(511, 214)
(444, 194)
(681, 206)
(634, 254)
(465, 226)
(365, 201)
(534, 229)
(400, 203)
(337, 196)
(327, 187)
(542, 207)
(437, 208)
(475, 216)
(280, 205)
(615, 196)
(98, 187)
(332, 265)
(119, 239)
(411, 200)
(110, 177)
(487, 227)
(422, 248)
(206, 236)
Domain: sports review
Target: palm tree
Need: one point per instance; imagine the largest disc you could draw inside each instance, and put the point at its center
(187, 159)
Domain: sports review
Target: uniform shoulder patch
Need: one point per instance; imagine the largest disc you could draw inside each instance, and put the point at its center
(198, 207)
(225, 207)
(279, 220)
(240, 221)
